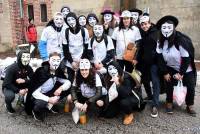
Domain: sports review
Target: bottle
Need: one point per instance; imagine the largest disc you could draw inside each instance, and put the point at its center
(82, 118)
(67, 107)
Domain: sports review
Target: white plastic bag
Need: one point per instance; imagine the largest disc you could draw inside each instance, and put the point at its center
(112, 92)
(179, 93)
(75, 115)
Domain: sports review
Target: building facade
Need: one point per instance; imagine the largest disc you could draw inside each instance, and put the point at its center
(14, 15)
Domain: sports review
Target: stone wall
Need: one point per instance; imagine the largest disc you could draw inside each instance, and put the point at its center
(187, 11)
(5, 25)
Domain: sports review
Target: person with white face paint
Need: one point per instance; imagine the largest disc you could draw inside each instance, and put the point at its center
(129, 97)
(124, 34)
(91, 21)
(52, 37)
(17, 79)
(75, 43)
(82, 21)
(147, 62)
(176, 61)
(108, 21)
(101, 49)
(87, 87)
(135, 14)
(47, 87)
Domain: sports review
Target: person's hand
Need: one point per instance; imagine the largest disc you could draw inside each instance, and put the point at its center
(177, 76)
(115, 79)
(58, 91)
(134, 62)
(78, 105)
(75, 65)
(20, 80)
(22, 92)
(84, 107)
(167, 77)
(53, 100)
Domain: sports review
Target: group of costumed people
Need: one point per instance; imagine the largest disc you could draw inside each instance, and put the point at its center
(83, 61)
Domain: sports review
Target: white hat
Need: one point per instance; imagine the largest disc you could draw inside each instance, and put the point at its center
(84, 64)
(126, 13)
(144, 19)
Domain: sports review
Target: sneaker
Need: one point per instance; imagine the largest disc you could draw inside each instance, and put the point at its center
(191, 111)
(9, 109)
(37, 116)
(154, 112)
(54, 110)
(169, 109)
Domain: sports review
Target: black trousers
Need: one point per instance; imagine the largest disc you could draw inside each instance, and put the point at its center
(9, 96)
(128, 65)
(188, 81)
(128, 104)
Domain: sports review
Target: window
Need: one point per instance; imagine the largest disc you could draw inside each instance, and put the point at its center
(43, 8)
(30, 12)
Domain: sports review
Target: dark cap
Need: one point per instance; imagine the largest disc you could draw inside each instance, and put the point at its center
(107, 11)
(136, 10)
(165, 19)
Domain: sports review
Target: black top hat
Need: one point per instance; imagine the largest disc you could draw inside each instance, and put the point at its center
(166, 18)
(107, 11)
(136, 10)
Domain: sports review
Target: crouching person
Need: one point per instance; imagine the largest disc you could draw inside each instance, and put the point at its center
(128, 100)
(17, 79)
(46, 89)
(87, 88)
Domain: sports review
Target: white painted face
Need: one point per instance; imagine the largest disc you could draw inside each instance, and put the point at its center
(112, 71)
(135, 16)
(71, 21)
(98, 30)
(167, 29)
(54, 62)
(82, 21)
(25, 59)
(65, 12)
(58, 20)
(92, 21)
(107, 17)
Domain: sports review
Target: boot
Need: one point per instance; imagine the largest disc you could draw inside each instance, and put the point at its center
(128, 119)
(82, 118)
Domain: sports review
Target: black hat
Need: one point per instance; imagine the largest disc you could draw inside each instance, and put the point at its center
(107, 11)
(136, 10)
(166, 18)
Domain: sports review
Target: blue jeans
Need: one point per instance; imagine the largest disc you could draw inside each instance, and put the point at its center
(156, 85)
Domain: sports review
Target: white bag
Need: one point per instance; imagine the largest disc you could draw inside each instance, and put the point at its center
(179, 93)
(112, 92)
(75, 115)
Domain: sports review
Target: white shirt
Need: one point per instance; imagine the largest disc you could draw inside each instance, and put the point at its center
(54, 39)
(48, 86)
(123, 38)
(88, 92)
(172, 56)
(76, 45)
(99, 49)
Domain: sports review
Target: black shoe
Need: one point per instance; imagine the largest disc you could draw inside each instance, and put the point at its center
(154, 112)
(9, 109)
(38, 116)
(54, 110)
(191, 111)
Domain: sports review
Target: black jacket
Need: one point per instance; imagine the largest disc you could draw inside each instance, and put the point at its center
(147, 51)
(15, 71)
